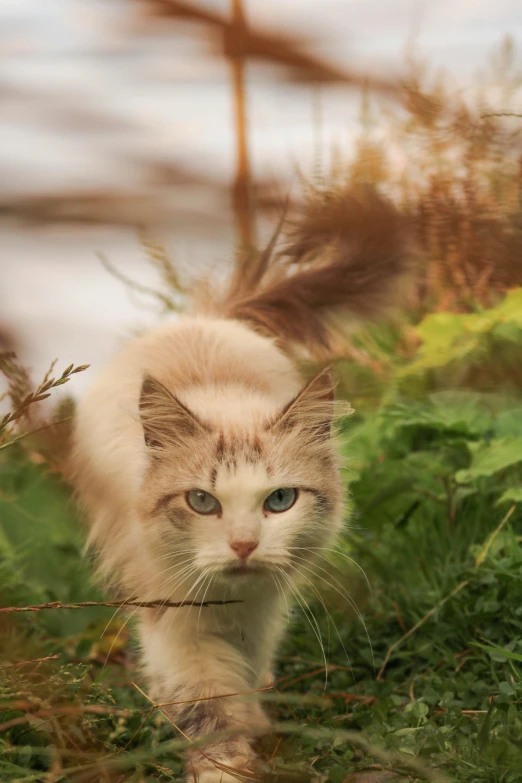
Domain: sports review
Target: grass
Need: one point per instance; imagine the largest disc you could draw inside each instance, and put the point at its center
(420, 615)
(426, 684)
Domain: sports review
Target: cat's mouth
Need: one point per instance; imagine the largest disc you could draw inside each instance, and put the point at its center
(244, 569)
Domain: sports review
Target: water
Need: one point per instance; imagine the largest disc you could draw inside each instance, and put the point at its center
(91, 99)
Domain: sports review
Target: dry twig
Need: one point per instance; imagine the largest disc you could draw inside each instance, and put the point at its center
(132, 602)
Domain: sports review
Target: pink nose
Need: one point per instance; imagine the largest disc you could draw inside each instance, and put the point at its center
(243, 549)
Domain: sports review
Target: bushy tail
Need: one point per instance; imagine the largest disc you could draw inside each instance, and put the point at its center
(347, 258)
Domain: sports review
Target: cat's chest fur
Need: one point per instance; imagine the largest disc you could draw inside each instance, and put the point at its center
(250, 628)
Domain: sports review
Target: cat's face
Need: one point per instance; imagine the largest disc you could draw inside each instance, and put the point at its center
(246, 496)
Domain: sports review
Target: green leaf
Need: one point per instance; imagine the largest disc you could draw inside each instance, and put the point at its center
(489, 458)
(483, 738)
(463, 413)
(498, 651)
(510, 309)
(445, 339)
(454, 337)
(513, 495)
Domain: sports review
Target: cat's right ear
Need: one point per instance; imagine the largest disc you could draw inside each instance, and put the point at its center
(312, 409)
(165, 420)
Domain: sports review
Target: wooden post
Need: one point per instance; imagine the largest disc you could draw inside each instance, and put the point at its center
(242, 188)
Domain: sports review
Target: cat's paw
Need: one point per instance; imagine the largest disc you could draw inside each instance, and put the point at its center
(206, 773)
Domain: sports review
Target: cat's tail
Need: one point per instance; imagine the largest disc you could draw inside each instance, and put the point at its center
(347, 258)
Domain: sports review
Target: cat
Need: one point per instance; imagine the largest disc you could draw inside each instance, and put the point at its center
(208, 469)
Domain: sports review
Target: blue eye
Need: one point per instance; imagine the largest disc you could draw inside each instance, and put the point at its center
(281, 500)
(203, 502)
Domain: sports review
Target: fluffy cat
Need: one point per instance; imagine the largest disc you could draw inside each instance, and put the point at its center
(208, 469)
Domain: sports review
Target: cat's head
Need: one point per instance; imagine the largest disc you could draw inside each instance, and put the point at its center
(236, 486)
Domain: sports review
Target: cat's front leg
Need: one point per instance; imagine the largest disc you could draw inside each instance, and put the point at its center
(209, 713)
(204, 687)
(221, 760)
(227, 764)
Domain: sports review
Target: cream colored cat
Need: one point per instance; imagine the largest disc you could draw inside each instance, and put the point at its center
(208, 471)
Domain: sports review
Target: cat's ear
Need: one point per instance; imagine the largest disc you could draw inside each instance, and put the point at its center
(164, 418)
(312, 409)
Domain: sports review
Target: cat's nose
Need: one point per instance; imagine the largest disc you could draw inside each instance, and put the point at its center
(243, 549)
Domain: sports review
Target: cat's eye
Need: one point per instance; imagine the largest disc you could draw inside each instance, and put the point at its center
(203, 502)
(281, 500)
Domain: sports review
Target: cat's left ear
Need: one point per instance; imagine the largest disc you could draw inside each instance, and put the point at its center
(313, 408)
(165, 420)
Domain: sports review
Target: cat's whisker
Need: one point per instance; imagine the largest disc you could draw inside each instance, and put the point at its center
(201, 581)
(178, 579)
(329, 619)
(281, 592)
(316, 549)
(339, 588)
(137, 590)
(173, 583)
(181, 579)
(122, 607)
(135, 609)
(342, 592)
(312, 621)
(179, 569)
(177, 574)
(305, 608)
(211, 579)
(193, 587)
(174, 555)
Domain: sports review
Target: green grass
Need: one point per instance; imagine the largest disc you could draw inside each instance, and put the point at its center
(431, 482)
(426, 683)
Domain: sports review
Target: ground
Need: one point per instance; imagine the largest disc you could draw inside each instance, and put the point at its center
(419, 620)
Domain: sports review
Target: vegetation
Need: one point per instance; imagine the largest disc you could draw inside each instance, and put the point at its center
(423, 672)
(424, 683)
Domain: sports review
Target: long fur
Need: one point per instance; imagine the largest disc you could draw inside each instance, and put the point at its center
(348, 257)
(219, 404)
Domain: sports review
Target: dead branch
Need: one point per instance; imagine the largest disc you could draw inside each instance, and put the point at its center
(115, 604)
(271, 48)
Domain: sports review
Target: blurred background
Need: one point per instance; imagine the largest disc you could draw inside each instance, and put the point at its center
(178, 119)
(144, 143)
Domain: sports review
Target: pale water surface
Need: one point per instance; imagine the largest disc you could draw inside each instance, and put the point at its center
(173, 103)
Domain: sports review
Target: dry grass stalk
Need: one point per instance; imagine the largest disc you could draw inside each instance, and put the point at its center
(157, 255)
(459, 182)
(118, 604)
(19, 387)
